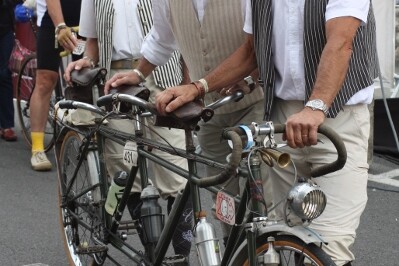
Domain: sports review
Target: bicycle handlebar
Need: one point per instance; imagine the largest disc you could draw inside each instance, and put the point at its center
(323, 129)
(108, 99)
(69, 104)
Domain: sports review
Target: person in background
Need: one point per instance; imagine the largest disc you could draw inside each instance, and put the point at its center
(7, 37)
(205, 32)
(124, 34)
(317, 62)
(54, 19)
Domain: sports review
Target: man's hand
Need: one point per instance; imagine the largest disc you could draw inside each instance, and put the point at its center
(125, 78)
(67, 39)
(75, 65)
(301, 128)
(172, 98)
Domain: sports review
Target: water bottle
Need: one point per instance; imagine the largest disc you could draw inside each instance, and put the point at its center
(152, 218)
(271, 257)
(117, 186)
(207, 244)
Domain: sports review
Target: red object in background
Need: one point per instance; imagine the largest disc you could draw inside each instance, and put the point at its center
(25, 33)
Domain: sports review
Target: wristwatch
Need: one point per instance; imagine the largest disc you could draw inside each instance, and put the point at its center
(317, 104)
(249, 81)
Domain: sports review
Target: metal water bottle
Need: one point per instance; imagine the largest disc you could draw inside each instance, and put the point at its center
(152, 218)
(117, 186)
(207, 244)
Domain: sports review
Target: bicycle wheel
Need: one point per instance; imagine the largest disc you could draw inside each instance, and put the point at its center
(81, 206)
(291, 250)
(25, 86)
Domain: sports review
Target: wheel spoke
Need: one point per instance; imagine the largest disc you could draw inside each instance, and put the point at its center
(80, 211)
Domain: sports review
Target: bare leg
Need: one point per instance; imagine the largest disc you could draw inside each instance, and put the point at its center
(39, 108)
(39, 104)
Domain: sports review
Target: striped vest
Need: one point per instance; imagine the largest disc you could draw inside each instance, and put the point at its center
(205, 45)
(363, 63)
(168, 75)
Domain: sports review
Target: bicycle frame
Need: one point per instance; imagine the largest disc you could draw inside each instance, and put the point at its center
(252, 223)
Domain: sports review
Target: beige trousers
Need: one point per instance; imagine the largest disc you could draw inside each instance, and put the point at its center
(167, 182)
(346, 189)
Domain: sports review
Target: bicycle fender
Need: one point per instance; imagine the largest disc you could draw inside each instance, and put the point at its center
(306, 234)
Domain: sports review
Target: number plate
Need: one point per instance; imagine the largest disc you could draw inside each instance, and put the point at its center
(130, 154)
(80, 47)
(225, 208)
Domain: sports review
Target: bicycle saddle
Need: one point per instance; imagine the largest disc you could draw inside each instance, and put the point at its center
(185, 117)
(82, 84)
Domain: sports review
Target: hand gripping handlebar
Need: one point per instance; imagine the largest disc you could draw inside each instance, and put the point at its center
(323, 129)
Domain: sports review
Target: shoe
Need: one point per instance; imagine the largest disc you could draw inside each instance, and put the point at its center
(40, 162)
(8, 134)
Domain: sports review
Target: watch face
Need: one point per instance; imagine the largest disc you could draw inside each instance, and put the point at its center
(317, 103)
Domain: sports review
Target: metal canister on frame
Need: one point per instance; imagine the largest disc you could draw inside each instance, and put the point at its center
(117, 186)
(151, 214)
(206, 242)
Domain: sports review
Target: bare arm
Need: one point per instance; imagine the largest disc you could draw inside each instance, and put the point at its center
(64, 35)
(236, 67)
(55, 11)
(302, 127)
(233, 69)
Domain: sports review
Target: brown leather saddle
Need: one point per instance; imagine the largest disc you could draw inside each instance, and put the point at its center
(83, 82)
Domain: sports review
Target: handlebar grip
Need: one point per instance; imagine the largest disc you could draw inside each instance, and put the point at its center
(104, 100)
(323, 129)
(66, 104)
(338, 144)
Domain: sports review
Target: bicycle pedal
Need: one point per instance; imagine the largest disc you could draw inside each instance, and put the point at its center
(83, 249)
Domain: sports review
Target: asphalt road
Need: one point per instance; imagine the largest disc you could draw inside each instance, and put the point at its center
(30, 230)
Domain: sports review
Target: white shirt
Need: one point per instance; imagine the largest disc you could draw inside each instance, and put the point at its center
(41, 8)
(288, 47)
(160, 42)
(127, 31)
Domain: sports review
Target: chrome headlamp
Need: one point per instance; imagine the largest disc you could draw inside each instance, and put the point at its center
(307, 200)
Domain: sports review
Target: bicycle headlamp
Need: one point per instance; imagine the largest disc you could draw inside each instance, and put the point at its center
(307, 200)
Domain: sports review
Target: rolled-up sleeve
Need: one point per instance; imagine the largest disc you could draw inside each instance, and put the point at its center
(248, 17)
(348, 8)
(87, 23)
(160, 43)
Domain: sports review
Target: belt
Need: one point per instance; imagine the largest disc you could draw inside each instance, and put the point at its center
(125, 64)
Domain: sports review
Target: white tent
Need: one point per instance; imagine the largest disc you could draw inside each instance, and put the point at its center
(384, 11)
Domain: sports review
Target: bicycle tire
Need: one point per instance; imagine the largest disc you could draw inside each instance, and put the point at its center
(81, 212)
(25, 86)
(289, 247)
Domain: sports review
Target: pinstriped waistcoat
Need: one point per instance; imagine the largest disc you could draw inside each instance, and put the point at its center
(167, 75)
(363, 63)
(205, 45)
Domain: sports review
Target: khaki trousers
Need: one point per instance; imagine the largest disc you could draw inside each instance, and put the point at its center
(346, 189)
(167, 182)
